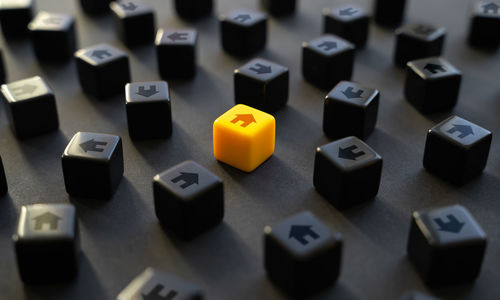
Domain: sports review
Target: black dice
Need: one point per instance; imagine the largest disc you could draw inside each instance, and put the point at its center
(302, 255)
(92, 165)
(485, 20)
(134, 22)
(350, 109)
(3, 180)
(432, 84)
(279, 7)
(95, 7)
(416, 41)
(156, 285)
(148, 110)
(103, 70)
(446, 245)
(15, 16)
(389, 13)
(46, 243)
(347, 172)
(31, 108)
(193, 9)
(243, 32)
(349, 22)
(188, 199)
(417, 296)
(3, 73)
(261, 84)
(176, 53)
(327, 60)
(457, 150)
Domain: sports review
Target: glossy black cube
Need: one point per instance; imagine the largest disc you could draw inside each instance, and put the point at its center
(350, 110)
(31, 108)
(279, 8)
(189, 199)
(193, 9)
(457, 150)
(15, 16)
(92, 165)
(243, 32)
(485, 19)
(3, 180)
(446, 245)
(46, 243)
(95, 7)
(416, 41)
(261, 84)
(389, 13)
(134, 22)
(347, 172)
(176, 53)
(349, 22)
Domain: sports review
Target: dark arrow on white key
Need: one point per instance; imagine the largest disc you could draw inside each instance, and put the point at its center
(92, 146)
(453, 225)
(147, 93)
(155, 294)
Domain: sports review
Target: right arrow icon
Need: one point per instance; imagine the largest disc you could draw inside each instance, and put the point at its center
(464, 130)
(434, 68)
(300, 232)
(453, 225)
(155, 294)
(349, 154)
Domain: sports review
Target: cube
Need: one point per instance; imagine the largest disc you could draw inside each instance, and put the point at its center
(244, 137)
(103, 70)
(176, 53)
(456, 150)
(92, 165)
(46, 243)
(347, 172)
(389, 13)
(148, 110)
(193, 9)
(243, 32)
(416, 41)
(327, 60)
(446, 245)
(302, 255)
(349, 22)
(15, 16)
(261, 84)
(31, 107)
(134, 22)
(3, 180)
(485, 19)
(279, 8)
(188, 199)
(350, 110)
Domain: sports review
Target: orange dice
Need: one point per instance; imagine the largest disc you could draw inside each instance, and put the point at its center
(244, 137)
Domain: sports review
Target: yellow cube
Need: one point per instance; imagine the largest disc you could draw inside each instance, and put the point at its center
(244, 137)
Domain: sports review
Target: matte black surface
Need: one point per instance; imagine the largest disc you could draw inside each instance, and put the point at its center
(121, 237)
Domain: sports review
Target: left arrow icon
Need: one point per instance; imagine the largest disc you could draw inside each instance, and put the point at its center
(91, 145)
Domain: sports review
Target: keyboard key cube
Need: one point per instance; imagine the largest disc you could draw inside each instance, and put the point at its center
(389, 13)
(188, 199)
(350, 109)
(243, 32)
(46, 243)
(327, 60)
(92, 165)
(148, 110)
(53, 36)
(3, 180)
(103, 70)
(485, 19)
(432, 84)
(301, 255)
(31, 108)
(416, 41)
(193, 9)
(279, 8)
(347, 172)
(244, 137)
(156, 285)
(95, 7)
(457, 150)
(261, 84)
(176, 53)
(446, 245)
(349, 22)
(134, 22)
(15, 16)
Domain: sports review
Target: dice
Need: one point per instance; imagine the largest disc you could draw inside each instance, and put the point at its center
(176, 53)
(350, 109)
(31, 107)
(416, 41)
(134, 22)
(95, 7)
(53, 36)
(193, 9)
(261, 84)
(485, 19)
(46, 243)
(244, 137)
(15, 16)
(157, 285)
(347, 172)
(302, 255)
(327, 60)
(148, 110)
(103, 70)
(279, 8)
(3, 180)
(389, 13)
(92, 165)
(457, 150)
(188, 199)
(446, 245)
(243, 32)
(349, 22)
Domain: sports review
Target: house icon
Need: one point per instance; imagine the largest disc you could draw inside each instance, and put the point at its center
(46, 218)
(491, 7)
